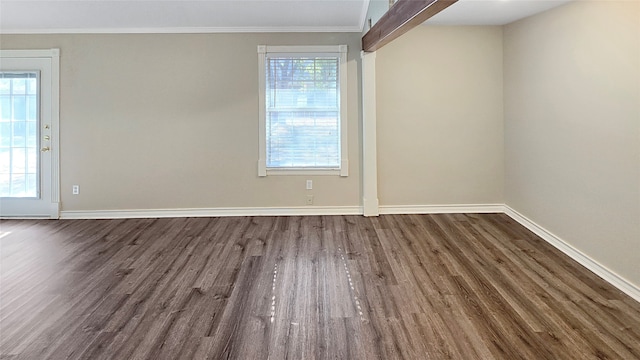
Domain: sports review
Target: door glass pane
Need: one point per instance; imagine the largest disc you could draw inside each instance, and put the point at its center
(18, 183)
(19, 134)
(32, 107)
(32, 86)
(5, 108)
(18, 160)
(5, 183)
(19, 155)
(32, 134)
(19, 108)
(32, 160)
(19, 85)
(5, 134)
(5, 86)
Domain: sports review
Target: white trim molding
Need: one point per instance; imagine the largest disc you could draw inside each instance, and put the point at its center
(55, 133)
(212, 212)
(609, 276)
(363, 15)
(186, 30)
(370, 201)
(442, 209)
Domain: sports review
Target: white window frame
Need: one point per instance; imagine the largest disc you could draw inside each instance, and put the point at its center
(341, 51)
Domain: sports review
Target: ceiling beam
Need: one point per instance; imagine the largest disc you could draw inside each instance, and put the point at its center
(403, 16)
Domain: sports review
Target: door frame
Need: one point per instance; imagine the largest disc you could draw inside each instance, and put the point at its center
(53, 56)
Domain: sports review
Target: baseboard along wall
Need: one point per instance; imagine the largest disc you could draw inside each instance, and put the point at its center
(212, 212)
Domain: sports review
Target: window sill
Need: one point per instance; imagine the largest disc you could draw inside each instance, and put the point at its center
(343, 171)
(306, 172)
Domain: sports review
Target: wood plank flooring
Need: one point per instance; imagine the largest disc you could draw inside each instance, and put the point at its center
(315, 287)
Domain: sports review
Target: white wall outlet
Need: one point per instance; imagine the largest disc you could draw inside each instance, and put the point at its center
(309, 199)
(309, 184)
(75, 189)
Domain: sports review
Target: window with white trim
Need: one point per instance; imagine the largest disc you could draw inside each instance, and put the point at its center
(302, 110)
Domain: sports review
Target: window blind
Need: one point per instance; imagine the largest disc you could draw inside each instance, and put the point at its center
(302, 111)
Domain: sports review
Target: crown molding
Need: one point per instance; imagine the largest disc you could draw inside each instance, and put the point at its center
(184, 30)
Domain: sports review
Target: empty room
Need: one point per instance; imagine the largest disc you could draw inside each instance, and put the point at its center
(319, 179)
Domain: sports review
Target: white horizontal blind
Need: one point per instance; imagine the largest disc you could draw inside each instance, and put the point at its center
(302, 111)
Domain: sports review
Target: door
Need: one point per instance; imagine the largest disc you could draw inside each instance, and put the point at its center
(29, 133)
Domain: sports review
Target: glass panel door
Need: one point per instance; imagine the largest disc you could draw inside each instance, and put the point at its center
(28, 133)
(19, 158)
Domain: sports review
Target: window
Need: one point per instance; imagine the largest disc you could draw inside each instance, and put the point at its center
(302, 110)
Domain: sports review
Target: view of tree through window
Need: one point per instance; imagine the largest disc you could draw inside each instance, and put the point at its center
(302, 112)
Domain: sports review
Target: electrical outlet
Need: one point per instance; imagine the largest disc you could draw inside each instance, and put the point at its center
(75, 189)
(309, 184)
(309, 199)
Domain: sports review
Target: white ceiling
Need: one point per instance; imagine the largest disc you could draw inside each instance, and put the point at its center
(491, 12)
(179, 16)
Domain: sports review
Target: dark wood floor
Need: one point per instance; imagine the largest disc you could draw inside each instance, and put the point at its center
(317, 287)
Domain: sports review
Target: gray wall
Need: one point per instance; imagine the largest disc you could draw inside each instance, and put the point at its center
(572, 127)
(440, 121)
(171, 121)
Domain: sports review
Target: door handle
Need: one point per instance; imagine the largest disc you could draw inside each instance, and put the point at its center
(45, 149)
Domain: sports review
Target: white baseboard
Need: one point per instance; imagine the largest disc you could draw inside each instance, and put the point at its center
(212, 212)
(442, 209)
(584, 260)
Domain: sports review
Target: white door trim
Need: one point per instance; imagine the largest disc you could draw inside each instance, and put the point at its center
(54, 56)
(369, 135)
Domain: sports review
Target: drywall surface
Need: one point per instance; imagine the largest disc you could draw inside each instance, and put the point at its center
(440, 117)
(170, 121)
(572, 127)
